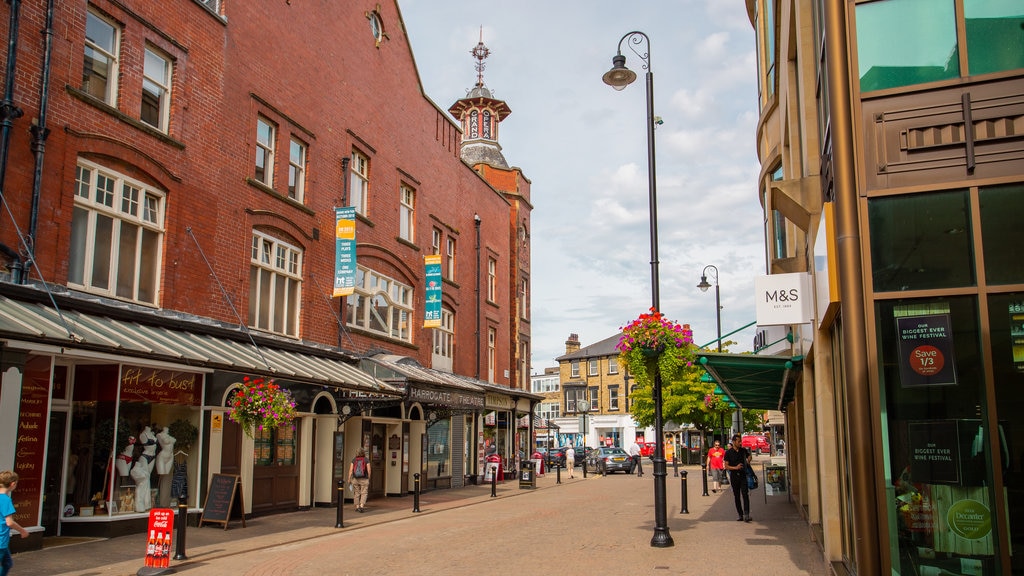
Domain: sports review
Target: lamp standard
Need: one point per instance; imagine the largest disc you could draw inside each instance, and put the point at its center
(718, 297)
(618, 78)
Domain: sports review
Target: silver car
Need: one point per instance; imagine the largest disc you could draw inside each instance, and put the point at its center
(608, 460)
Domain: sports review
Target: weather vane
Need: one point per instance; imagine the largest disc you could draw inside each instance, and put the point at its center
(480, 52)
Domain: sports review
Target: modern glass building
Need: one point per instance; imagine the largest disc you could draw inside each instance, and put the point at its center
(891, 142)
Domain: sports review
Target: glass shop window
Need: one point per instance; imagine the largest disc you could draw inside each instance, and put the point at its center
(439, 454)
(134, 440)
(275, 446)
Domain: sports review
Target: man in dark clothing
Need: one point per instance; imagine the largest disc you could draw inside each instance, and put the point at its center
(737, 458)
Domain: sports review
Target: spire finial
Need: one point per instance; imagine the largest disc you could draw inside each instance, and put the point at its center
(480, 52)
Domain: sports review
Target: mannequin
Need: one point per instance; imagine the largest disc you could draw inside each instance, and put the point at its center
(123, 462)
(143, 469)
(165, 457)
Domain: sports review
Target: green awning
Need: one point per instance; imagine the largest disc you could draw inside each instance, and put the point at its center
(752, 381)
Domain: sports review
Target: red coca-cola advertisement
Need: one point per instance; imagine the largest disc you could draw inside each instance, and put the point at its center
(158, 546)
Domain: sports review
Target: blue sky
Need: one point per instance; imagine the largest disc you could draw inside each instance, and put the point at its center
(583, 145)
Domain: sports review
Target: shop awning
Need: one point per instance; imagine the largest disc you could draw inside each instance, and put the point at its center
(752, 381)
(156, 337)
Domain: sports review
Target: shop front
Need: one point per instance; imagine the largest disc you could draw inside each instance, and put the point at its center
(125, 416)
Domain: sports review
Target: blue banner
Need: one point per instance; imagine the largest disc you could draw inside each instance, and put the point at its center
(344, 251)
(432, 308)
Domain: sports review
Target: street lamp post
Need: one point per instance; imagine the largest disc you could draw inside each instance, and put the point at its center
(718, 297)
(618, 78)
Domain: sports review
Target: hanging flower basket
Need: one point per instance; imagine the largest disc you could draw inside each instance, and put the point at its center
(653, 344)
(259, 404)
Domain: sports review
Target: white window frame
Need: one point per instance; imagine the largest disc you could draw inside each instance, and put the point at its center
(158, 83)
(110, 208)
(450, 247)
(407, 212)
(297, 169)
(574, 369)
(613, 398)
(492, 341)
(593, 367)
(275, 285)
(613, 365)
(359, 193)
(435, 241)
(108, 53)
(444, 342)
(492, 280)
(376, 293)
(266, 147)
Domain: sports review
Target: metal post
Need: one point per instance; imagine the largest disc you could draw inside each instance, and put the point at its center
(340, 522)
(558, 473)
(494, 483)
(179, 547)
(684, 507)
(584, 462)
(416, 492)
(704, 476)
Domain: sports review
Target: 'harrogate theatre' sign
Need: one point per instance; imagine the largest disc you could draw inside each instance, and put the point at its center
(445, 398)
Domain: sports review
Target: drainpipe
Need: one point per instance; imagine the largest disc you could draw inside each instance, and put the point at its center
(476, 220)
(8, 113)
(867, 531)
(39, 134)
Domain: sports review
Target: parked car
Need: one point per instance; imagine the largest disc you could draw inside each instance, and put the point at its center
(756, 443)
(556, 456)
(608, 459)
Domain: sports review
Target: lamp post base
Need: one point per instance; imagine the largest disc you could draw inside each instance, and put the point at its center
(662, 539)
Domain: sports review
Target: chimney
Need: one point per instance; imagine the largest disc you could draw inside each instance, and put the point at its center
(572, 344)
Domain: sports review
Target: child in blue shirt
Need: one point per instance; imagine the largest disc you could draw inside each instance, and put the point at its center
(8, 482)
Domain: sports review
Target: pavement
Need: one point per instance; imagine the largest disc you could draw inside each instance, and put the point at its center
(597, 525)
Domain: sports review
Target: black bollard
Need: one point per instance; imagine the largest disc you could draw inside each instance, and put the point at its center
(558, 473)
(340, 523)
(416, 492)
(179, 546)
(494, 483)
(684, 507)
(704, 476)
(584, 467)
(675, 467)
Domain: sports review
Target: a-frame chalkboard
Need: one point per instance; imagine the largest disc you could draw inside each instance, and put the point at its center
(225, 490)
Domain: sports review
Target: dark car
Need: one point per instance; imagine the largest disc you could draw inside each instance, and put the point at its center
(556, 457)
(608, 460)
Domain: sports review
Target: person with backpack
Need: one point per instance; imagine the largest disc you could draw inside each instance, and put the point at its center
(359, 479)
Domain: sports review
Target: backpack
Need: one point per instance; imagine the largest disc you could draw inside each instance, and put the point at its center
(359, 467)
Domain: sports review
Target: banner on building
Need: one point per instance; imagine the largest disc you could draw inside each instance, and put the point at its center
(344, 251)
(926, 351)
(432, 308)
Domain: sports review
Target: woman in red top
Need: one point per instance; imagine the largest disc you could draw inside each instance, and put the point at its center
(716, 463)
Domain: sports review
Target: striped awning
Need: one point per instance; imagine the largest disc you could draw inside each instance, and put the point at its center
(31, 324)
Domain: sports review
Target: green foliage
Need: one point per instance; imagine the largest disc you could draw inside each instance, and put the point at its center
(184, 433)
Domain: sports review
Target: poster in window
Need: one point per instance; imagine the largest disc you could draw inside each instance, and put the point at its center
(926, 351)
(1016, 312)
(934, 452)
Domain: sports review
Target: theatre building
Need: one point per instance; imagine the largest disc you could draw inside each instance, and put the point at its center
(188, 208)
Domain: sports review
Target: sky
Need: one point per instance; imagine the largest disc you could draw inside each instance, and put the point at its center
(583, 146)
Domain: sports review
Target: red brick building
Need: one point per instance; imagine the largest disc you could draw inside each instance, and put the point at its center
(177, 221)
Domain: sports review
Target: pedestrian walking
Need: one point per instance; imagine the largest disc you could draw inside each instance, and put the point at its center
(570, 460)
(737, 458)
(8, 482)
(634, 451)
(359, 478)
(716, 465)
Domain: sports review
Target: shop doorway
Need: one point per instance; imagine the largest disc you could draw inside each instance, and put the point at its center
(377, 438)
(52, 492)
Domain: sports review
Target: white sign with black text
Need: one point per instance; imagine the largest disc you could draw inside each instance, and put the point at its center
(783, 299)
